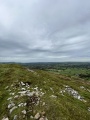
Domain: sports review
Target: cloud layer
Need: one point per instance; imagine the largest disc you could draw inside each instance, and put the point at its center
(44, 30)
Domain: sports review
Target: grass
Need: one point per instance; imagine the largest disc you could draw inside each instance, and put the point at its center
(61, 108)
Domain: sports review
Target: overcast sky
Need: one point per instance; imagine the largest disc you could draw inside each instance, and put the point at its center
(44, 30)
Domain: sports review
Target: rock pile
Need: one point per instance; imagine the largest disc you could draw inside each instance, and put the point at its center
(72, 92)
(17, 93)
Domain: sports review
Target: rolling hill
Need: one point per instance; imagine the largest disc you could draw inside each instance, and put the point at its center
(29, 94)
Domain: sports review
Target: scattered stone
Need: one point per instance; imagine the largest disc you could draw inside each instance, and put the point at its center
(43, 104)
(23, 84)
(31, 117)
(88, 90)
(24, 112)
(11, 105)
(43, 113)
(12, 85)
(24, 104)
(15, 117)
(74, 93)
(9, 98)
(23, 89)
(37, 116)
(36, 88)
(42, 93)
(53, 96)
(23, 93)
(27, 85)
(12, 93)
(82, 87)
(21, 105)
(6, 87)
(5, 118)
(43, 118)
(9, 90)
(89, 109)
(11, 110)
(30, 93)
(16, 96)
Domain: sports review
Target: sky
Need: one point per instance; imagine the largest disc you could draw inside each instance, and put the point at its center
(44, 30)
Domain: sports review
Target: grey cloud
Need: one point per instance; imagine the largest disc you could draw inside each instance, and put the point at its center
(50, 30)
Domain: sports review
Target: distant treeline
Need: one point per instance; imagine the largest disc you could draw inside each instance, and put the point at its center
(52, 65)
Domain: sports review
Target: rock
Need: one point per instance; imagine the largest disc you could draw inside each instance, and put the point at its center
(53, 96)
(5, 118)
(7, 87)
(11, 105)
(24, 112)
(23, 89)
(82, 87)
(31, 117)
(43, 104)
(16, 96)
(15, 117)
(21, 105)
(30, 93)
(43, 118)
(24, 104)
(9, 98)
(37, 116)
(23, 93)
(23, 84)
(43, 113)
(74, 93)
(12, 93)
(11, 110)
(89, 109)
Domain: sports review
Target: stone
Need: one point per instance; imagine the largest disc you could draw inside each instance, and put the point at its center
(43, 113)
(41, 118)
(53, 96)
(89, 109)
(23, 89)
(7, 87)
(43, 104)
(11, 105)
(12, 93)
(37, 116)
(5, 118)
(22, 93)
(22, 83)
(11, 110)
(24, 104)
(15, 117)
(24, 112)
(31, 117)
(16, 96)
(9, 98)
(21, 105)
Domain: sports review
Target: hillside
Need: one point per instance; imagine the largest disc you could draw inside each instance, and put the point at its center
(27, 94)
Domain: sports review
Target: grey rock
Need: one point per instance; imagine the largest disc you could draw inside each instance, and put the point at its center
(24, 112)
(37, 116)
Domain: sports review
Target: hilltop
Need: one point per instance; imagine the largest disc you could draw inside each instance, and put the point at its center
(29, 94)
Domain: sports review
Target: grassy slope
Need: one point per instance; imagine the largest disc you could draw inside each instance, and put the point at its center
(61, 108)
